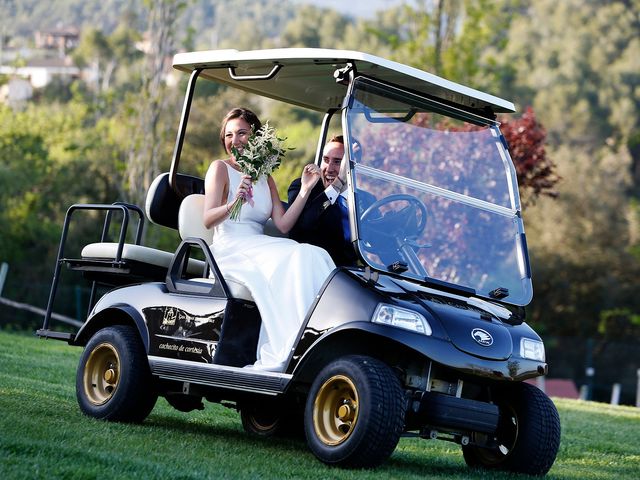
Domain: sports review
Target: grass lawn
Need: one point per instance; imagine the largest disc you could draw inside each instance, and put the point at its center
(44, 435)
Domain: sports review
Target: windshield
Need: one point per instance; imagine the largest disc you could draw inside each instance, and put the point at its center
(436, 194)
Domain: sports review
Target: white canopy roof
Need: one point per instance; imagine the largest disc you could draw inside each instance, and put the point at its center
(304, 76)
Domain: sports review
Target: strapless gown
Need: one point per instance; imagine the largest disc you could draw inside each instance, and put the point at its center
(282, 275)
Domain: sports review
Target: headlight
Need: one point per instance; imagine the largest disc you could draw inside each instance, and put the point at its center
(532, 349)
(401, 318)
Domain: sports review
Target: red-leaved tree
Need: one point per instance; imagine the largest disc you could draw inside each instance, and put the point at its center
(536, 172)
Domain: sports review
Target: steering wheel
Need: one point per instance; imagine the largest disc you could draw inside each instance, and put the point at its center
(406, 219)
(390, 236)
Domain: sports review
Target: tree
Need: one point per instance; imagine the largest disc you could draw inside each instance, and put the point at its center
(149, 137)
(536, 172)
(456, 39)
(94, 50)
(314, 28)
(104, 53)
(582, 65)
(51, 156)
(579, 73)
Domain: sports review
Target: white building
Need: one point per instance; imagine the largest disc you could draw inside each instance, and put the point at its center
(41, 72)
(16, 92)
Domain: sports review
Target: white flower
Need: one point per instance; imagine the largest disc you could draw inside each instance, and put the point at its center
(259, 157)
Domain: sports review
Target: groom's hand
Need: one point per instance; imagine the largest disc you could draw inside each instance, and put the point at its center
(340, 183)
(310, 176)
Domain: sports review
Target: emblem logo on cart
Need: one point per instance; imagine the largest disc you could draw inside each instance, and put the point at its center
(482, 337)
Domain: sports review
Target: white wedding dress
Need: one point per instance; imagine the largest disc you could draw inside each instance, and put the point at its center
(282, 275)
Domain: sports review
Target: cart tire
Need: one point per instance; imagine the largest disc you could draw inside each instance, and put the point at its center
(271, 420)
(184, 403)
(260, 423)
(113, 381)
(354, 414)
(528, 435)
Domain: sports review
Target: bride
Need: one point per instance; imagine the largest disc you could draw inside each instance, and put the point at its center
(282, 275)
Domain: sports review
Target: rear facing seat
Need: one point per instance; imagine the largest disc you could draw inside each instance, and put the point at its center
(99, 261)
(103, 264)
(107, 251)
(141, 263)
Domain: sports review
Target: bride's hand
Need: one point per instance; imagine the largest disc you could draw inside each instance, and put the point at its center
(310, 176)
(244, 188)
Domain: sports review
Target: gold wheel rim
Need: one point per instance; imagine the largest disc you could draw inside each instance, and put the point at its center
(335, 410)
(101, 374)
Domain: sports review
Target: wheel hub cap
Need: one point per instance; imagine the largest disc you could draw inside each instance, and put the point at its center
(335, 412)
(101, 374)
(110, 376)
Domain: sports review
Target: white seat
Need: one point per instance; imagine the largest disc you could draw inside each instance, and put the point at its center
(191, 224)
(140, 262)
(137, 253)
(191, 219)
(153, 257)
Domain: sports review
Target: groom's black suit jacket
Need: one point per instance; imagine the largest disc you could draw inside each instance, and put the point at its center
(320, 223)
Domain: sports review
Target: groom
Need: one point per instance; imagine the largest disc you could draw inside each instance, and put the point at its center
(324, 221)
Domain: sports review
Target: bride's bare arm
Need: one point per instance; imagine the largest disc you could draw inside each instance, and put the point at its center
(216, 186)
(216, 192)
(285, 220)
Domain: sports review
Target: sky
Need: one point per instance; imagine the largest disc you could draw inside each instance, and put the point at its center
(357, 8)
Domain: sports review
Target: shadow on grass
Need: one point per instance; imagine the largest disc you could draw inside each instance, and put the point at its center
(399, 465)
(292, 455)
(224, 432)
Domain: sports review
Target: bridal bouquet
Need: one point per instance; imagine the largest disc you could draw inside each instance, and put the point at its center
(260, 156)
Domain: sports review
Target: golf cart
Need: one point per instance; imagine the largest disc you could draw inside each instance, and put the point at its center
(424, 337)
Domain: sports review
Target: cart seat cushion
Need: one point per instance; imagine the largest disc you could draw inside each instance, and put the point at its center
(159, 258)
(191, 219)
(237, 288)
(138, 253)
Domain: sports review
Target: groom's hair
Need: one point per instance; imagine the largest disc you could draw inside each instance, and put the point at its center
(243, 113)
(356, 147)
